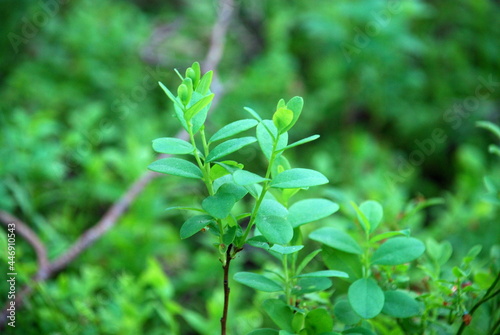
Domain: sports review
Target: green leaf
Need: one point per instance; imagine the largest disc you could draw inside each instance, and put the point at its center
(243, 177)
(228, 147)
(300, 142)
(366, 298)
(310, 210)
(298, 178)
(185, 208)
(266, 134)
(493, 128)
(259, 242)
(280, 313)
(440, 252)
(253, 113)
(229, 235)
(358, 331)
(237, 191)
(369, 214)
(295, 104)
(264, 331)
(223, 168)
(272, 223)
(307, 260)
(325, 273)
(232, 129)
(398, 250)
(195, 224)
(298, 321)
(318, 321)
(257, 281)
(311, 284)
(383, 236)
(170, 95)
(343, 261)
(205, 82)
(176, 167)
(198, 107)
(282, 118)
(219, 205)
(344, 312)
(336, 239)
(400, 304)
(173, 146)
(285, 250)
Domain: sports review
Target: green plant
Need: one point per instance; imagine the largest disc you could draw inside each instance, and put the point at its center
(227, 182)
(378, 267)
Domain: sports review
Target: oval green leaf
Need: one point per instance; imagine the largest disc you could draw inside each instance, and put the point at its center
(373, 212)
(264, 331)
(366, 298)
(298, 178)
(266, 135)
(310, 210)
(386, 235)
(172, 146)
(228, 147)
(198, 107)
(344, 312)
(285, 250)
(243, 177)
(257, 281)
(336, 239)
(311, 284)
(176, 167)
(318, 321)
(219, 205)
(300, 142)
(398, 250)
(325, 274)
(282, 118)
(343, 261)
(400, 304)
(280, 313)
(194, 225)
(232, 129)
(272, 223)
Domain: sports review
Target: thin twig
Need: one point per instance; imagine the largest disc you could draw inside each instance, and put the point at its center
(47, 269)
(31, 237)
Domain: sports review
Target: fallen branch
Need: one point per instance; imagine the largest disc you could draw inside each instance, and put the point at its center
(47, 269)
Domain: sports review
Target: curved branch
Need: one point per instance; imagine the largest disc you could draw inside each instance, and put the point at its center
(47, 269)
(31, 237)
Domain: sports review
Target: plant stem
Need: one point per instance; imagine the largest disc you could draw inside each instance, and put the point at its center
(265, 187)
(225, 267)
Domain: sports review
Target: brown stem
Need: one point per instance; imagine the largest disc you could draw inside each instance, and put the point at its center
(227, 290)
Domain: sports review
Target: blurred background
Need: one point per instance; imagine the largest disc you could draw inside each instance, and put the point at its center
(394, 88)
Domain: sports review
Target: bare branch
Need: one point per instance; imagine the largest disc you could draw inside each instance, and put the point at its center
(31, 237)
(48, 269)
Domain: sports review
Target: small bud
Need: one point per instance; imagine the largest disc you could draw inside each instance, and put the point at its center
(191, 74)
(183, 94)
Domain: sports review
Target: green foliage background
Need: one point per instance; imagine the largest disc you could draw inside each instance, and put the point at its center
(79, 106)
